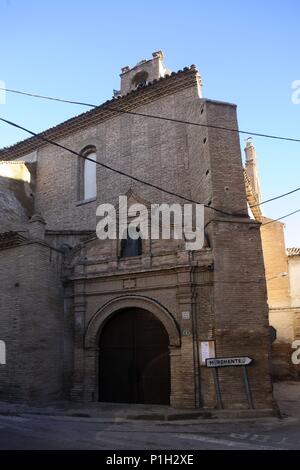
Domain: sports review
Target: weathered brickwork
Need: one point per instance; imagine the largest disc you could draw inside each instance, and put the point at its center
(74, 282)
(282, 312)
(17, 184)
(281, 280)
(31, 322)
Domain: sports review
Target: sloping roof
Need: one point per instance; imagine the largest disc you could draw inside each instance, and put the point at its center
(293, 251)
(165, 86)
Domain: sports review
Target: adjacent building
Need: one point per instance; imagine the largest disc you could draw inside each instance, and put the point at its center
(282, 267)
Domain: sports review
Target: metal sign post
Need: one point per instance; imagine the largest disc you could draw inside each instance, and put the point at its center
(247, 387)
(215, 363)
(217, 388)
(2, 353)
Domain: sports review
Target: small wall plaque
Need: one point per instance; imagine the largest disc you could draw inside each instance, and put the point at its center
(186, 332)
(185, 315)
(129, 283)
(207, 350)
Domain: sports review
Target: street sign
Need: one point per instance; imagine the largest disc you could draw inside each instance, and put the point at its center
(215, 363)
(228, 361)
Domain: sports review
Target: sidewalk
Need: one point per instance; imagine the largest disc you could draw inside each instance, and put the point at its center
(286, 393)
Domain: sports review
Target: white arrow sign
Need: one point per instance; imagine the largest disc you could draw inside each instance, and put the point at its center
(228, 361)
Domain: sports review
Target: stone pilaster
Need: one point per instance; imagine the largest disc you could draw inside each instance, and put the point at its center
(77, 392)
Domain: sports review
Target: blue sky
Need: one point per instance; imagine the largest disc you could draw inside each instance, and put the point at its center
(246, 51)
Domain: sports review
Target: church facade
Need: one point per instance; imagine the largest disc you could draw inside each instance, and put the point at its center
(84, 319)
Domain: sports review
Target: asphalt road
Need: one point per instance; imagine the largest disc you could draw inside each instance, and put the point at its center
(61, 433)
(23, 430)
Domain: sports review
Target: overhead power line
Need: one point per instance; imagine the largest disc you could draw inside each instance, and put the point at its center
(275, 198)
(120, 172)
(50, 98)
(280, 218)
(49, 141)
(35, 95)
(152, 116)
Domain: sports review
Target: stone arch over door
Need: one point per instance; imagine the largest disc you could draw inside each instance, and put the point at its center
(102, 317)
(130, 301)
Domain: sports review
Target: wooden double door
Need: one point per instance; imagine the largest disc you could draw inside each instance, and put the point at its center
(134, 363)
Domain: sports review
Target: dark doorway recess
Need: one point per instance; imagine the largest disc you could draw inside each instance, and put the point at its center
(134, 363)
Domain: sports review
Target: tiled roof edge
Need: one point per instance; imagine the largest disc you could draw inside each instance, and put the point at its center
(164, 86)
(293, 251)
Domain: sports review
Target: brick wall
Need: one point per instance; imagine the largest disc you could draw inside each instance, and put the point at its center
(31, 322)
(228, 305)
(161, 151)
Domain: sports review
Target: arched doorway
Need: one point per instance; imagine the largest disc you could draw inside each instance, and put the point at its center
(134, 364)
